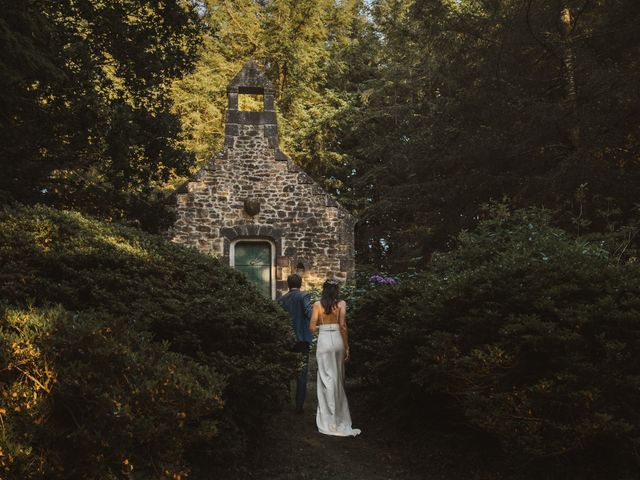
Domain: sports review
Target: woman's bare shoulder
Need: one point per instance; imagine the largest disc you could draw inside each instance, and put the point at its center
(342, 303)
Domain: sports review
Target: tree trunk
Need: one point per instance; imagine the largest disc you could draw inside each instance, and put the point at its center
(569, 76)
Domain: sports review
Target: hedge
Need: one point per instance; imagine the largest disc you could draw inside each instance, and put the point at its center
(521, 332)
(171, 313)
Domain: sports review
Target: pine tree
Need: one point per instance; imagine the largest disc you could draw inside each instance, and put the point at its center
(232, 35)
(474, 100)
(308, 49)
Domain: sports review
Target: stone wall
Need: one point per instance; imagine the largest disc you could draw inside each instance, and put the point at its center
(308, 227)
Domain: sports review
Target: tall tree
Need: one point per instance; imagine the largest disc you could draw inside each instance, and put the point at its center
(84, 95)
(232, 34)
(321, 62)
(477, 99)
(316, 53)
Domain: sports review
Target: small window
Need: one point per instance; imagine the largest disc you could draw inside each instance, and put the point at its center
(300, 269)
(250, 102)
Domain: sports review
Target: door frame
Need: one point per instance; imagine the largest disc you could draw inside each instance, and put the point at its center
(232, 257)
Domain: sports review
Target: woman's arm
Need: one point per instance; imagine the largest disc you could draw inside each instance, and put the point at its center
(313, 323)
(342, 321)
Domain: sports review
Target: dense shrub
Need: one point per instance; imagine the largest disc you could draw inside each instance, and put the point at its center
(89, 398)
(129, 280)
(358, 287)
(521, 332)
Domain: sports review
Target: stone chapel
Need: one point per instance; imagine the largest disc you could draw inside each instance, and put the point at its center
(256, 210)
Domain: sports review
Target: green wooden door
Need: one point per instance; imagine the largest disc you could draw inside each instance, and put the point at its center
(254, 260)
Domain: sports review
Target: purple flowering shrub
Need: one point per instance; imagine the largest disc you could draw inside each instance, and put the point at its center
(351, 292)
(382, 280)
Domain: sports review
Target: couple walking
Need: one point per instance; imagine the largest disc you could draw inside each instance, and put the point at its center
(328, 318)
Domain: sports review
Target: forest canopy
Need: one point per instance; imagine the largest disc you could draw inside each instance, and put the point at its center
(414, 113)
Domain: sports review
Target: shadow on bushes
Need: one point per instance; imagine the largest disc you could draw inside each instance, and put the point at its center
(171, 313)
(87, 396)
(522, 334)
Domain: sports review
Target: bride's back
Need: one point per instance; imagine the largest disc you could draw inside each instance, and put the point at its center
(328, 318)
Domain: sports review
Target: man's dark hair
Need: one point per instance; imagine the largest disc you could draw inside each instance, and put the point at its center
(294, 281)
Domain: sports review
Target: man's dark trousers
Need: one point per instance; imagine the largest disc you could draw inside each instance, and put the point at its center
(301, 381)
(298, 305)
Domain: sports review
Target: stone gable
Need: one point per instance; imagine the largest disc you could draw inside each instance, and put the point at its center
(251, 191)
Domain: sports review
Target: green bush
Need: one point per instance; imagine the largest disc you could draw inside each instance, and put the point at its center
(521, 332)
(133, 281)
(89, 398)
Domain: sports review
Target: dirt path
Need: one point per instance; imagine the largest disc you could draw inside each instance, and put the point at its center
(295, 450)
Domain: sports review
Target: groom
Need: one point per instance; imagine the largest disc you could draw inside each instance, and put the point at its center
(298, 304)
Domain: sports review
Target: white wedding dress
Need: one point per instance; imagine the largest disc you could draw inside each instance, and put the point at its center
(332, 416)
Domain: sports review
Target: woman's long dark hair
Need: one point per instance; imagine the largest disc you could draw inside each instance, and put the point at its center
(330, 296)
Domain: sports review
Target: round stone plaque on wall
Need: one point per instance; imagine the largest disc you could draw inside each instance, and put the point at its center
(252, 206)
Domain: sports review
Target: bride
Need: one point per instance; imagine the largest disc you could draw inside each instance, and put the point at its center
(328, 317)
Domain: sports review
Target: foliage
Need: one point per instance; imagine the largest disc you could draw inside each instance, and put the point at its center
(125, 279)
(230, 37)
(474, 100)
(85, 118)
(521, 332)
(315, 52)
(382, 280)
(413, 112)
(84, 396)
